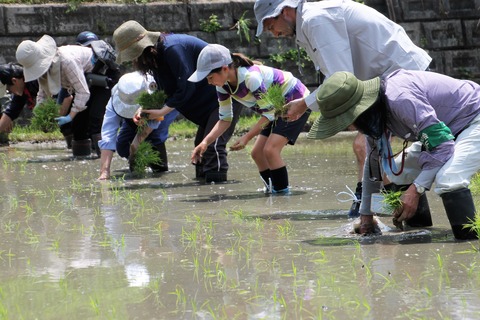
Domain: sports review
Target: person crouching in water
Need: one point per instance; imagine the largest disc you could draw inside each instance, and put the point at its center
(441, 112)
(237, 77)
(121, 134)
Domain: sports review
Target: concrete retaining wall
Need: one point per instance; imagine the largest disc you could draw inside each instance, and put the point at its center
(448, 29)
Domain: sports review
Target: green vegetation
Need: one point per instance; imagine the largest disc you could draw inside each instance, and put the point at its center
(182, 129)
(44, 116)
(145, 156)
(211, 25)
(392, 200)
(243, 27)
(274, 97)
(297, 55)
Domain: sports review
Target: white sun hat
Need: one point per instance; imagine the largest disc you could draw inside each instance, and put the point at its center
(128, 89)
(36, 57)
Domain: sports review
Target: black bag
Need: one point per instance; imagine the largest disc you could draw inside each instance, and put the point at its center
(105, 64)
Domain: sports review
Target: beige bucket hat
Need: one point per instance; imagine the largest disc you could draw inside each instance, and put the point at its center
(131, 38)
(36, 57)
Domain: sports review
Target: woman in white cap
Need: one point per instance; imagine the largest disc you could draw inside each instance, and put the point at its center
(440, 112)
(171, 59)
(65, 67)
(239, 78)
(118, 115)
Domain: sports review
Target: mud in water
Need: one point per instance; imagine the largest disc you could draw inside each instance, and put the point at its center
(165, 246)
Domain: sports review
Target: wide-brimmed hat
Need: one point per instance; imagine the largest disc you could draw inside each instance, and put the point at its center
(270, 9)
(211, 57)
(131, 38)
(36, 57)
(342, 98)
(128, 89)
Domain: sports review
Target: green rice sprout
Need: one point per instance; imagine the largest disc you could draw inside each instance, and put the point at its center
(145, 156)
(44, 116)
(474, 225)
(392, 200)
(150, 101)
(274, 97)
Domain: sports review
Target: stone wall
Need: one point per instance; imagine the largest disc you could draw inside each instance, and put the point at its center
(446, 28)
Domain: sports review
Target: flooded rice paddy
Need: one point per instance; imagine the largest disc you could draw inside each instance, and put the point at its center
(166, 246)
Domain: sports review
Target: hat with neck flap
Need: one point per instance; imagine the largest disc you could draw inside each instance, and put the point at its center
(342, 98)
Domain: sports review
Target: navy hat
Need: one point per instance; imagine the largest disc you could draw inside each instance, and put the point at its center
(84, 38)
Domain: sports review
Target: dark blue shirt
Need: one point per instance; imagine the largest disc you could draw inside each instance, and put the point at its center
(29, 97)
(177, 60)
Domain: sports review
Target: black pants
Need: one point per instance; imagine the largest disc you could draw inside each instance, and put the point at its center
(215, 157)
(89, 121)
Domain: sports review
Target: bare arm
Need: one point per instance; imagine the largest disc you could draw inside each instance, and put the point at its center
(220, 127)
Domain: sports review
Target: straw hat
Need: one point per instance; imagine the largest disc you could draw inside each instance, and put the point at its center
(342, 98)
(211, 57)
(131, 38)
(36, 57)
(128, 89)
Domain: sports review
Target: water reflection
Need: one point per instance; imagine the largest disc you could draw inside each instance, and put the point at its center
(169, 247)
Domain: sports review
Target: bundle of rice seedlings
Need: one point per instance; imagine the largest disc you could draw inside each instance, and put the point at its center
(274, 97)
(150, 101)
(392, 202)
(145, 156)
(44, 116)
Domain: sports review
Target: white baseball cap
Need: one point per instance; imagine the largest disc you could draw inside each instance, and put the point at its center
(211, 57)
(128, 89)
(270, 9)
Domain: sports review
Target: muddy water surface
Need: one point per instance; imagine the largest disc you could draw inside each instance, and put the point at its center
(169, 247)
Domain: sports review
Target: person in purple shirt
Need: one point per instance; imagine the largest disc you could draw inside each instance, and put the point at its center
(441, 112)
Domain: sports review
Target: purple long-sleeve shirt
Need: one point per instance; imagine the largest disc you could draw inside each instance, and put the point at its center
(417, 100)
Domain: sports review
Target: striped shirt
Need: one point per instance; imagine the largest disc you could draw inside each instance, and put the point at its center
(252, 82)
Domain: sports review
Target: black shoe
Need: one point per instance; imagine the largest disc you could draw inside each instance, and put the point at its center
(355, 208)
(215, 176)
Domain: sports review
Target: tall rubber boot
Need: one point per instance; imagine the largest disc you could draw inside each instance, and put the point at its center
(422, 217)
(460, 211)
(163, 166)
(95, 138)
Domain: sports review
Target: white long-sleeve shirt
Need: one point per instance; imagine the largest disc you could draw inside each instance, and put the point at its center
(343, 35)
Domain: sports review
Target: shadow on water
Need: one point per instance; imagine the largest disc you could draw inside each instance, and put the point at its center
(244, 196)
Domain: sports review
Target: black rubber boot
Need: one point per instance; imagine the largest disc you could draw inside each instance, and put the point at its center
(460, 211)
(163, 166)
(81, 148)
(95, 138)
(215, 176)
(422, 217)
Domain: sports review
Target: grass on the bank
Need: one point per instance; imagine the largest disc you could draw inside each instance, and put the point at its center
(178, 129)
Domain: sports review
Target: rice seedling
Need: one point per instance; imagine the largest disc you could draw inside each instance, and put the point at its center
(150, 101)
(392, 200)
(44, 116)
(474, 226)
(286, 230)
(145, 156)
(274, 97)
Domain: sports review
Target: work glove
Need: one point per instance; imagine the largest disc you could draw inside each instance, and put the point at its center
(63, 120)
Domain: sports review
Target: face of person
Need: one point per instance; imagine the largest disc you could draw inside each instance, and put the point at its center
(17, 87)
(218, 78)
(280, 26)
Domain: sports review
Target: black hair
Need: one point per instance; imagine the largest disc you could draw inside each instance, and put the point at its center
(147, 61)
(372, 121)
(238, 60)
(10, 70)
